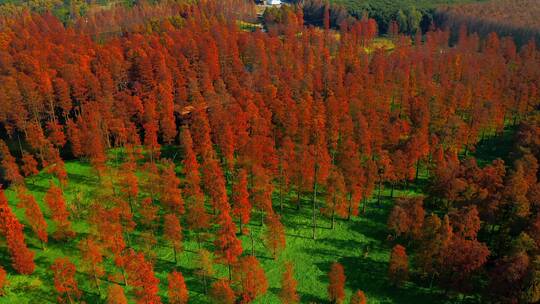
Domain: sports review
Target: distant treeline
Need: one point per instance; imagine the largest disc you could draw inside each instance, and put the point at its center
(411, 16)
(518, 18)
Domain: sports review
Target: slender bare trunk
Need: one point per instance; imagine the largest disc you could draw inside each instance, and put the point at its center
(315, 201)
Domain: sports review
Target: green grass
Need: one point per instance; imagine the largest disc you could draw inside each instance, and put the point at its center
(312, 258)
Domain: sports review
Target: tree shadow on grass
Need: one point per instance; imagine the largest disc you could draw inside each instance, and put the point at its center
(371, 276)
(76, 178)
(36, 188)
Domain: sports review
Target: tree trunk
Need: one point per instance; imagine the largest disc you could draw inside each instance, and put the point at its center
(281, 188)
(298, 199)
(364, 205)
(417, 170)
(125, 277)
(240, 225)
(128, 238)
(349, 213)
(252, 242)
(333, 219)
(333, 212)
(96, 281)
(315, 200)
(379, 193)
(431, 280)
(198, 237)
(204, 284)
(19, 141)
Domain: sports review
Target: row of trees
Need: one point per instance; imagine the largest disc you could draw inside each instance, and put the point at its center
(509, 18)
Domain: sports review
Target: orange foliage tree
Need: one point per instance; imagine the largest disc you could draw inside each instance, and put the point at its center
(336, 287)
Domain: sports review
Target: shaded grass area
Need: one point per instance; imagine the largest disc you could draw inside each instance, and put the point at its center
(346, 244)
(497, 146)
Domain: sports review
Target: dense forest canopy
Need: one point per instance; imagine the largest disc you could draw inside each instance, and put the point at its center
(163, 153)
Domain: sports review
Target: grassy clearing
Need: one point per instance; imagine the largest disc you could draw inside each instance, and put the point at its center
(248, 26)
(380, 43)
(312, 258)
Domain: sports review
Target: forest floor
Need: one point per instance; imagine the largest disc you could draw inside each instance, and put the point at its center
(346, 244)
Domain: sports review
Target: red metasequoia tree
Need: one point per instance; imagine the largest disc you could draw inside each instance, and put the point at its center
(197, 218)
(92, 259)
(336, 286)
(54, 198)
(214, 183)
(288, 294)
(191, 166)
(177, 290)
(171, 196)
(116, 295)
(149, 213)
(22, 258)
(205, 266)
(250, 277)
(3, 280)
(222, 293)
(274, 236)
(241, 206)
(358, 298)
(228, 246)
(140, 274)
(336, 200)
(29, 165)
(33, 214)
(64, 280)
(11, 170)
(172, 232)
(407, 217)
(398, 268)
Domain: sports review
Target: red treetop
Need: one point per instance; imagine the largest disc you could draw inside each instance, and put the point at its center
(64, 280)
(21, 257)
(59, 213)
(250, 276)
(33, 214)
(222, 293)
(11, 170)
(141, 276)
(191, 166)
(30, 165)
(177, 292)
(398, 269)
(241, 206)
(172, 231)
(336, 287)
(3, 280)
(358, 298)
(171, 196)
(116, 295)
(228, 246)
(275, 235)
(288, 294)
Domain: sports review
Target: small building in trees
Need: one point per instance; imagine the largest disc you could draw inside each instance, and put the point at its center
(273, 2)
